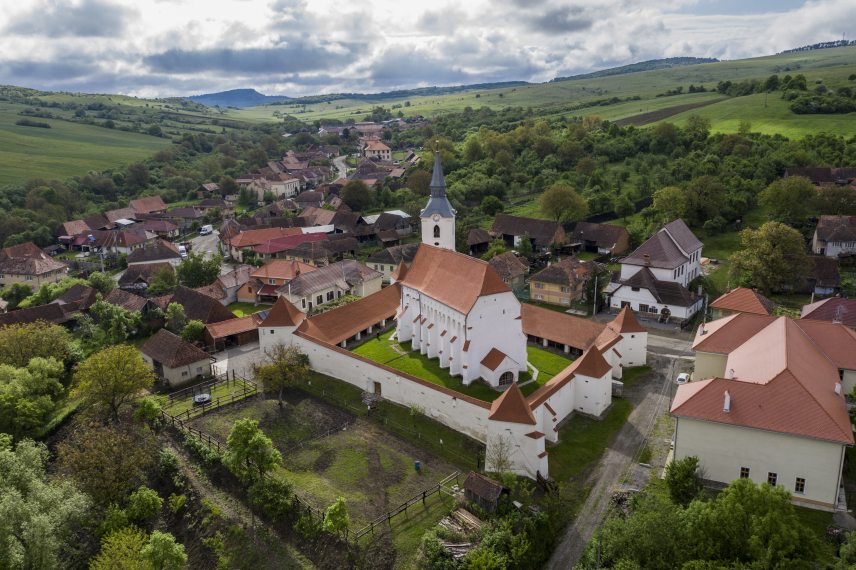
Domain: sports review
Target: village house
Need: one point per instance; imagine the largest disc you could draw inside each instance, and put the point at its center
(824, 279)
(234, 332)
(309, 198)
(174, 361)
(378, 150)
(654, 278)
(160, 251)
(244, 241)
(197, 306)
(264, 281)
(161, 228)
(562, 282)
(50, 313)
(604, 239)
(138, 276)
(478, 240)
(834, 236)
(28, 263)
(387, 260)
(128, 301)
(767, 403)
(208, 190)
(77, 298)
(824, 176)
(310, 290)
(323, 252)
(543, 234)
(483, 491)
(741, 300)
(832, 310)
(148, 205)
(510, 268)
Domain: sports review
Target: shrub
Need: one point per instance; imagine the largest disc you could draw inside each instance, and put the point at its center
(144, 504)
(176, 502)
(208, 455)
(307, 526)
(115, 518)
(167, 463)
(148, 409)
(274, 497)
(683, 480)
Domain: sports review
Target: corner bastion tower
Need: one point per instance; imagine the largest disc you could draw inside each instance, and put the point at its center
(438, 217)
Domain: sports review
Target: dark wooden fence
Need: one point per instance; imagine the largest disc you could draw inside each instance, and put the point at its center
(247, 389)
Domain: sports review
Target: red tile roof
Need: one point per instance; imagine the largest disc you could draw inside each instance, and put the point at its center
(233, 326)
(591, 364)
(744, 300)
(511, 407)
(452, 278)
(492, 359)
(625, 322)
(283, 314)
(282, 269)
(168, 349)
(343, 322)
(148, 205)
(832, 309)
(560, 327)
(249, 238)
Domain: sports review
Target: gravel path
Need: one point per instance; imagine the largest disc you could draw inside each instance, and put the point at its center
(650, 398)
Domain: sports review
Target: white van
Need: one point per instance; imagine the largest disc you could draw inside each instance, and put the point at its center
(206, 229)
(182, 251)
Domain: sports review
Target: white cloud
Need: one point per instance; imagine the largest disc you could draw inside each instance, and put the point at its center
(299, 47)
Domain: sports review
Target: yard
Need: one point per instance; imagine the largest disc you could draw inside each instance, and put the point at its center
(401, 357)
(244, 309)
(222, 392)
(370, 467)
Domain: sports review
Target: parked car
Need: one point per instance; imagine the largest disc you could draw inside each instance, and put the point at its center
(682, 378)
(182, 251)
(206, 229)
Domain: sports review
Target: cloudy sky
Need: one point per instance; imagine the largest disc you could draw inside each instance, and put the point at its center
(299, 47)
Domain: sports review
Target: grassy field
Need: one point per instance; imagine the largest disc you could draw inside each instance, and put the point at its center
(389, 352)
(66, 149)
(244, 309)
(832, 66)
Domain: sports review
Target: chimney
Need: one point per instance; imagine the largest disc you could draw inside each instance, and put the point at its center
(731, 374)
(838, 388)
(647, 258)
(726, 405)
(701, 330)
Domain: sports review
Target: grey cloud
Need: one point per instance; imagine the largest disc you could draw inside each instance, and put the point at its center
(28, 70)
(441, 21)
(294, 57)
(564, 19)
(89, 18)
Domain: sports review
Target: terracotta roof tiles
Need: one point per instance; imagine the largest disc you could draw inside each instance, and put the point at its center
(283, 314)
(744, 300)
(511, 407)
(171, 351)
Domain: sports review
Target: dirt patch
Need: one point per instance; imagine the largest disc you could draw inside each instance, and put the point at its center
(660, 114)
(324, 461)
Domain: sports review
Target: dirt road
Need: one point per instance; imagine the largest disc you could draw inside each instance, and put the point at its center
(650, 398)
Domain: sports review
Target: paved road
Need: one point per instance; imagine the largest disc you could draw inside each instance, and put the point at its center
(650, 398)
(670, 346)
(339, 163)
(206, 244)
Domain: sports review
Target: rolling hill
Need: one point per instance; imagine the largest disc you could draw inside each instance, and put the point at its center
(237, 98)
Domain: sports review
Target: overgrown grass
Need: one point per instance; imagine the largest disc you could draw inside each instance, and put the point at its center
(244, 309)
(631, 375)
(582, 441)
(408, 529)
(59, 415)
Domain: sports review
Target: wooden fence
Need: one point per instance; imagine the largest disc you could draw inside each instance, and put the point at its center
(402, 508)
(181, 425)
(247, 389)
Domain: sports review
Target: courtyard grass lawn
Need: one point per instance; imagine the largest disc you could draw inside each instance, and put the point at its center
(583, 440)
(634, 373)
(383, 351)
(244, 309)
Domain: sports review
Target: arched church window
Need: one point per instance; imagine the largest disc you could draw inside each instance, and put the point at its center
(436, 231)
(506, 378)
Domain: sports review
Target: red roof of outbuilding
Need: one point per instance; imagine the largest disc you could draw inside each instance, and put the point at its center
(744, 300)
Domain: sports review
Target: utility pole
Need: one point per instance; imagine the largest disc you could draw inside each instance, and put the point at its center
(594, 304)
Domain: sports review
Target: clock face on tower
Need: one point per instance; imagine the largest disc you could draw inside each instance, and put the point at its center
(436, 217)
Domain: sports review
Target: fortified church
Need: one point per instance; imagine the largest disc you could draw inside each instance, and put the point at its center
(457, 309)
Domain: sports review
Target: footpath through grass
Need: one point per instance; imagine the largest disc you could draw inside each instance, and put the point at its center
(400, 356)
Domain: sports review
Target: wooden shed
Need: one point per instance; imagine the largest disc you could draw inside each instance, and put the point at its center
(483, 491)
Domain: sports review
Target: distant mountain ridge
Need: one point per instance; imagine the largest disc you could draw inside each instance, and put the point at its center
(649, 65)
(237, 98)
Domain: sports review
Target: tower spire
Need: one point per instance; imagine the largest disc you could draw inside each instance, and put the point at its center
(438, 182)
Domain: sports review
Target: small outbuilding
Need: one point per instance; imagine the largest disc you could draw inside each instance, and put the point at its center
(483, 491)
(175, 361)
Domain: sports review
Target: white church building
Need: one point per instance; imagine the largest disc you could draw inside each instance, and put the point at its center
(456, 309)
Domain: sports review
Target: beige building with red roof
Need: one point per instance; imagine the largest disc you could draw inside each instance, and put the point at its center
(767, 403)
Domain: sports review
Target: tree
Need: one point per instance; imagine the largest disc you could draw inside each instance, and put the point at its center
(174, 317)
(38, 515)
(789, 200)
(836, 200)
(336, 517)
(196, 271)
(15, 293)
(194, 331)
(498, 454)
(698, 128)
(137, 176)
(418, 182)
(683, 480)
(163, 281)
(525, 247)
(705, 197)
(116, 324)
(143, 504)
(622, 205)
(561, 203)
(107, 461)
(491, 205)
(108, 380)
(22, 342)
(247, 197)
(670, 203)
(357, 195)
(284, 366)
(163, 552)
(772, 258)
(28, 395)
(496, 247)
(102, 282)
(251, 453)
(121, 549)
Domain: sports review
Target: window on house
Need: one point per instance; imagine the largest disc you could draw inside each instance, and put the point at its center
(539, 297)
(643, 308)
(635, 289)
(184, 373)
(436, 231)
(271, 281)
(799, 486)
(506, 378)
(303, 303)
(271, 331)
(539, 285)
(744, 472)
(329, 295)
(565, 289)
(840, 371)
(771, 478)
(319, 299)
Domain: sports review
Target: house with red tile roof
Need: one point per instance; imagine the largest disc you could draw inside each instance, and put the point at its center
(264, 281)
(741, 300)
(833, 310)
(766, 402)
(148, 205)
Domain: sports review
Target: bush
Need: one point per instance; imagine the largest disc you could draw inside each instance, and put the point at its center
(167, 463)
(683, 480)
(307, 526)
(148, 409)
(29, 123)
(273, 495)
(115, 518)
(144, 504)
(176, 502)
(206, 454)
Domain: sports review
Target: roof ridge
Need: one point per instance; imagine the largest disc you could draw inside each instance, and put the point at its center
(814, 399)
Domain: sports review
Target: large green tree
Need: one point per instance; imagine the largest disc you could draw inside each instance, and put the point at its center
(789, 200)
(251, 453)
(197, 271)
(336, 518)
(38, 514)
(683, 480)
(22, 342)
(705, 198)
(28, 395)
(669, 203)
(357, 195)
(772, 258)
(108, 380)
(562, 203)
(284, 366)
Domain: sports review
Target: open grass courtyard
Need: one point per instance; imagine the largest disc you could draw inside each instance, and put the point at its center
(244, 309)
(385, 350)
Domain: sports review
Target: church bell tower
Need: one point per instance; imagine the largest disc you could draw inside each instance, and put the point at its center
(438, 217)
